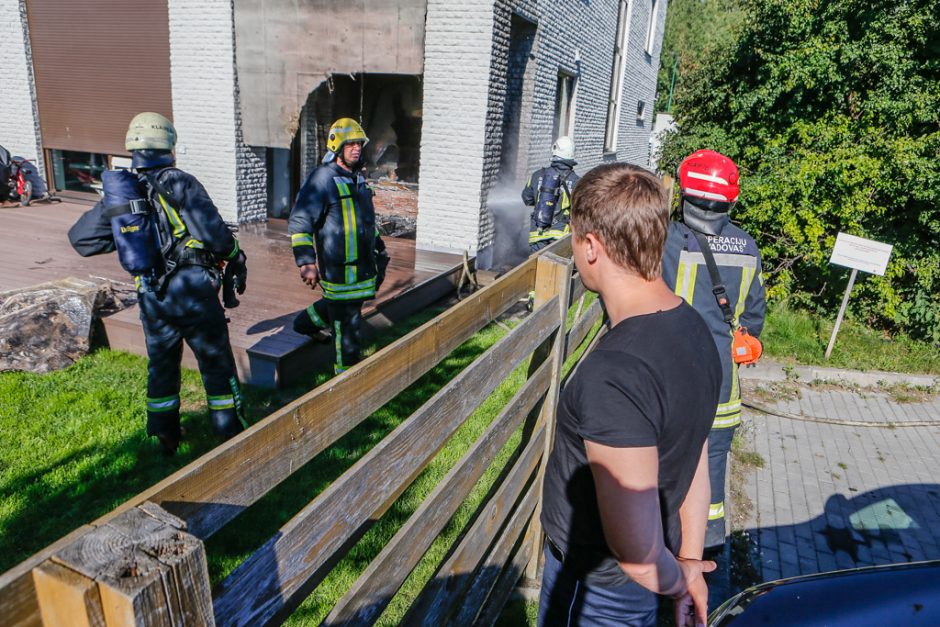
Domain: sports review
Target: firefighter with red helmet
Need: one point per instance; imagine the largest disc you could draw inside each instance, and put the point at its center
(716, 267)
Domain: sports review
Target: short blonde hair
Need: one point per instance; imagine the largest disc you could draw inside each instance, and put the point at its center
(626, 208)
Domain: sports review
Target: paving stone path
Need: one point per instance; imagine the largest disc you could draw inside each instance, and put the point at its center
(832, 496)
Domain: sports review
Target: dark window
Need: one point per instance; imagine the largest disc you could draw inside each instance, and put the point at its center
(77, 171)
(616, 79)
(564, 105)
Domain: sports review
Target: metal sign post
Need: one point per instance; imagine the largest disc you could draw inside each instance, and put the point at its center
(845, 301)
(859, 254)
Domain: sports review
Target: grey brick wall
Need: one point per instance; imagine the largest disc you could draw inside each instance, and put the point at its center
(572, 36)
(19, 118)
(205, 109)
(639, 83)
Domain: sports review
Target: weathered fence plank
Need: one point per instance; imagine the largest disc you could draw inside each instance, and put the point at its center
(147, 571)
(66, 598)
(577, 289)
(215, 488)
(582, 326)
(432, 605)
(273, 581)
(368, 597)
(555, 273)
(489, 571)
(508, 579)
(18, 603)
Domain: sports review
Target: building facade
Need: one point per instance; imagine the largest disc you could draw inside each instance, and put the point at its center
(460, 97)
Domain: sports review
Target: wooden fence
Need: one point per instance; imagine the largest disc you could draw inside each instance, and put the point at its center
(144, 563)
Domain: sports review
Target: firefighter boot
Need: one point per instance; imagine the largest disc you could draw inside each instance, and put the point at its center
(305, 325)
(165, 426)
(226, 423)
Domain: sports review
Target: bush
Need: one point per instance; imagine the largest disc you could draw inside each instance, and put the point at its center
(832, 112)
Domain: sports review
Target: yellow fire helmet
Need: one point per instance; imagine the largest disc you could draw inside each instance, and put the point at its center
(345, 130)
(150, 130)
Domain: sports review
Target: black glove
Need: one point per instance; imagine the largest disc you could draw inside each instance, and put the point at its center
(234, 279)
(381, 265)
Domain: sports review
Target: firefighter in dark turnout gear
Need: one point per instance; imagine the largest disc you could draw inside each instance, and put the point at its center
(178, 297)
(549, 191)
(336, 243)
(708, 190)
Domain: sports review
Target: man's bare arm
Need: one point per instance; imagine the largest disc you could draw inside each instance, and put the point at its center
(627, 484)
(694, 511)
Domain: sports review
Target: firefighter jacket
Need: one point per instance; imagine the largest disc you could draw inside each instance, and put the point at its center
(188, 221)
(332, 224)
(738, 260)
(563, 169)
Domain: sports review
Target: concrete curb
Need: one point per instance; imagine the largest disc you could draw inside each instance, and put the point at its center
(768, 370)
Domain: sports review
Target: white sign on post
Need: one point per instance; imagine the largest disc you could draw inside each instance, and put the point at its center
(857, 253)
(861, 254)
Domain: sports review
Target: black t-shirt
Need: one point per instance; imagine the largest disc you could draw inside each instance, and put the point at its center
(653, 380)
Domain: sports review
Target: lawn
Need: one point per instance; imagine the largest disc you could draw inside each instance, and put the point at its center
(796, 337)
(75, 448)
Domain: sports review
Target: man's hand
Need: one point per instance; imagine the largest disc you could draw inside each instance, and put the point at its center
(692, 606)
(310, 275)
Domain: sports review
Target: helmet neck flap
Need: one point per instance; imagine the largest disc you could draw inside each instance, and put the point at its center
(150, 158)
(703, 220)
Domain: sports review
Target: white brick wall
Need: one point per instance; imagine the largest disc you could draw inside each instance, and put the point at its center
(202, 72)
(19, 119)
(458, 49)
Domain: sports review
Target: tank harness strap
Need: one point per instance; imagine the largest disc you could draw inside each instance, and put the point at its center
(718, 288)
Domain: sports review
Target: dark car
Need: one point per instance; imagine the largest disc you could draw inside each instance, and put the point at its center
(886, 596)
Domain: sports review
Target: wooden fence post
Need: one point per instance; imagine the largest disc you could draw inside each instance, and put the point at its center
(139, 569)
(552, 278)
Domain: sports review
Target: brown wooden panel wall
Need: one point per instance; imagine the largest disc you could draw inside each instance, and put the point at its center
(97, 64)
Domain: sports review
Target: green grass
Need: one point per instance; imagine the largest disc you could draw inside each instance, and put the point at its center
(796, 337)
(74, 448)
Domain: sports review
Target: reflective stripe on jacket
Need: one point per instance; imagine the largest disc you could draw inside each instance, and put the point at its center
(332, 224)
(738, 260)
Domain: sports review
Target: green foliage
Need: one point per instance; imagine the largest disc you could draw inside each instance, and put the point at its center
(695, 29)
(794, 337)
(832, 112)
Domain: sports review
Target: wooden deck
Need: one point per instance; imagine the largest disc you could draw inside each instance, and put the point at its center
(35, 249)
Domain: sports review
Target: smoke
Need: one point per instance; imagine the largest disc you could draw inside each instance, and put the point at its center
(510, 225)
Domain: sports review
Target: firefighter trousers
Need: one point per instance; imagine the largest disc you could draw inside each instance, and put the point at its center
(343, 319)
(188, 309)
(719, 445)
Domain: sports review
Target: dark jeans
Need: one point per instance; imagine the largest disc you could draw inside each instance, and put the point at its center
(567, 601)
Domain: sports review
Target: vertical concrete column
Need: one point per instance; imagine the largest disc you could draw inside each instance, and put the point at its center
(19, 120)
(458, 51)
(205, 108)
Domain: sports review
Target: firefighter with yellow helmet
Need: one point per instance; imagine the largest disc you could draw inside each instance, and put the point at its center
(336, 243)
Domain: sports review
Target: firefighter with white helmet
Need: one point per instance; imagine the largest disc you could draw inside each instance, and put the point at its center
(716, 267)
(549, 191)
(336, 243)
(170, 237)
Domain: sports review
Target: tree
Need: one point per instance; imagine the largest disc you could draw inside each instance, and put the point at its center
(832, 111)
(694, 29)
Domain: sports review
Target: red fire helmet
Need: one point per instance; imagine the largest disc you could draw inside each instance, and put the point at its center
(709, 175)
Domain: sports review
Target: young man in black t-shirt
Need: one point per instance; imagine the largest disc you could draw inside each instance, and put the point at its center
(626, 490)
